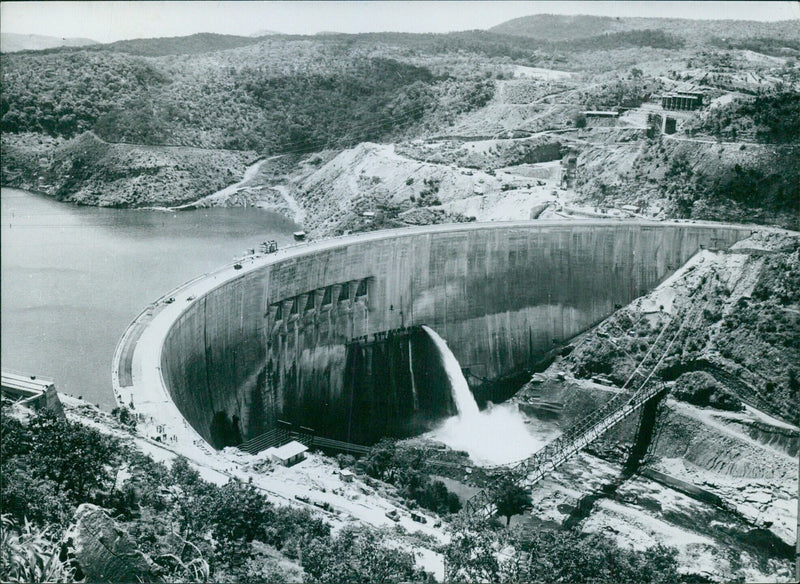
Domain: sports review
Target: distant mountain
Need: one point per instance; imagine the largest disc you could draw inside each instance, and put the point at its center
(551, 27)
(203, 42)
(263, 33)
(11, 42)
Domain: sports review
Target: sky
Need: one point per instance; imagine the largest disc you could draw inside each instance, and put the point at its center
(111, 21)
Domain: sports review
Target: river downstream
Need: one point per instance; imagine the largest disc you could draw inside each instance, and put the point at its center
(74, 277)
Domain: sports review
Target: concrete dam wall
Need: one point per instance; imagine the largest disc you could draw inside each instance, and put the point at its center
(328, 336)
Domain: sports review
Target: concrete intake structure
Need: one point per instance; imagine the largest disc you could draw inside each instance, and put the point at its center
(327, 335)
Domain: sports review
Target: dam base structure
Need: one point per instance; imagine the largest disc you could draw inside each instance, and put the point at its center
(328, 335)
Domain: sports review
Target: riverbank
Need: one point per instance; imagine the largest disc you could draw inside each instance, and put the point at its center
(258, 188)
(90, 171)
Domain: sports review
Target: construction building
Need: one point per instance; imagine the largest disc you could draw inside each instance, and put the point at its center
(682, 100)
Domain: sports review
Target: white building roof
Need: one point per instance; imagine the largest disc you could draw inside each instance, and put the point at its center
(289, 450)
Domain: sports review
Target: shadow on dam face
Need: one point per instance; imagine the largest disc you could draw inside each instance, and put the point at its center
(394, 384)
(328, 336)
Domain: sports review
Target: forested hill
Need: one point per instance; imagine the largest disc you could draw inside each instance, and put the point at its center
(235, 98)
(552, 27)
(213, 94)
(276, 95)
(204, 42)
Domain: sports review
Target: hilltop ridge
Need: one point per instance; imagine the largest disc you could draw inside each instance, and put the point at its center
(12, 42)
(556, 27)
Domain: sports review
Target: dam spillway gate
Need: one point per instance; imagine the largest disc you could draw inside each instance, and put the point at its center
(318, 335)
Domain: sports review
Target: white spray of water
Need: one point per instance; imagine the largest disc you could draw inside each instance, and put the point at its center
(497, 435)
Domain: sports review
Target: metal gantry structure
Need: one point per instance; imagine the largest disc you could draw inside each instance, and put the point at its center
(531, 470)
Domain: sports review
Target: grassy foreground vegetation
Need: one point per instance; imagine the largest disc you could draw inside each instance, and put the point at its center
(189, 529)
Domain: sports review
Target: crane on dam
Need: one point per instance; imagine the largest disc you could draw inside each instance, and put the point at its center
(529, 471)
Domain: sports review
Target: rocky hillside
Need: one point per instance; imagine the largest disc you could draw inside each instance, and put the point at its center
(706, 468)
(422, 182)
(90, 171)
(700, 179)
(743, 334)
(371, 186)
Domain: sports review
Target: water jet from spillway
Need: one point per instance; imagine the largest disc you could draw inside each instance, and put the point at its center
(498, 435)
(462, 395)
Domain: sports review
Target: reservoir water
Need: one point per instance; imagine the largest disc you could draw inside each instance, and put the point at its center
(74, 277)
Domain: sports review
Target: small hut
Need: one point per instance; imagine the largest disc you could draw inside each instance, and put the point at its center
(289, 454)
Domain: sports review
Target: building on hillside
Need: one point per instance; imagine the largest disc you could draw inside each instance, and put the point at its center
(28, 390)
(682, 100)
(289, 454)
(669, 125)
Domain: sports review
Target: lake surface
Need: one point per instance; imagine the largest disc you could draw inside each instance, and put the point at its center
(74, 277)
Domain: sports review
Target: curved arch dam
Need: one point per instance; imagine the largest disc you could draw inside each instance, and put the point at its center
(327, 335)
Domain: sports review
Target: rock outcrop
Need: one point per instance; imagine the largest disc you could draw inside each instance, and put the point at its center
(105, 551)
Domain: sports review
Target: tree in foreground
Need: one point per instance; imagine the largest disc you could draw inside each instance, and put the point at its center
(568, 556)
(78, 459)
(471, 555)
(512, 499)
(356, 556)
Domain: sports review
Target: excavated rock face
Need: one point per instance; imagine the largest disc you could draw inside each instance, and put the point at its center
(105, 552)
(721, 448)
